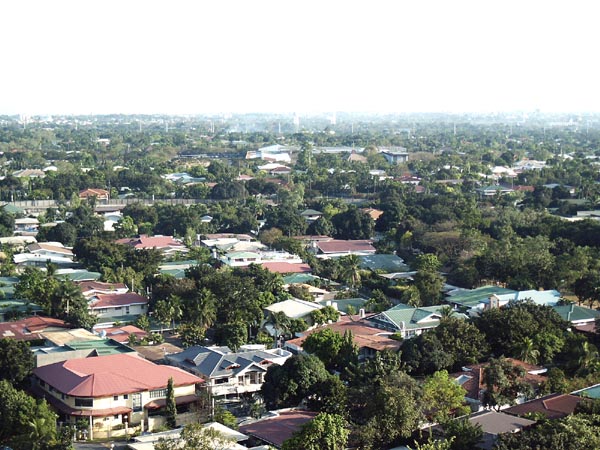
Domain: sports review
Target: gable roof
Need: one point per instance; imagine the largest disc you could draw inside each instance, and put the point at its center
(553, 406)
(341, 246)
(404, 317)
(275, 430)
(104, 376)
(286, 267)
(29, 328)
(110, 300)
(148, 242)
(215, 363)
(49, 248)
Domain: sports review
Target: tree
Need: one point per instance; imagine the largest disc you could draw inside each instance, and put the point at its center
(287, 385)
(171, 406)
(587, 288)
(225, 417)
(504, 383)
(325, 432)
(353, 224)
(351, 270)
(378, 302)
(463, 434)
(444, 397)
(23, 418)
(195, 436)
(326, 345)
(16, 361)
(232, 335)
(324, 315)
(62, 232)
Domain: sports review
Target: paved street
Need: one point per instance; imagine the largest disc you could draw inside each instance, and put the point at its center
(99, 446)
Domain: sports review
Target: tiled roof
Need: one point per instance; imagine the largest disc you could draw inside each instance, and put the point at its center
(148, 242)
(121, 334)
(339, 246)
(285, 267)
(103, 376)
(109, 300)
(29, 328)
(278, 429)
(554, 406)
(92, 285)
(364, 335)
(50, 248)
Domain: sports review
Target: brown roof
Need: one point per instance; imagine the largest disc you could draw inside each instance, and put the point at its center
(50, 248)
(340, 246)
(372, 212)
(364, 335)
(109, 300)
(156, 353)
(554, 406)
(278, 429)
(28, 329)
(143, 242)
(121, 334)
(103, 376)
(92, 192)
(286, 267)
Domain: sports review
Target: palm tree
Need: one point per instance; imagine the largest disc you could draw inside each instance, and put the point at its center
(446, 312)
(351, 270)
(588, 360)
(40, 432)
(203, 311)
(528, 352)
(281, 324)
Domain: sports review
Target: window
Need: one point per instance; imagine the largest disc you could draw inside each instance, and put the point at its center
(116, 397)
(116, 417)
(118, 308)
(222, 381)
(158, 393)
(136, 400)
(125, 397)
(84, 402)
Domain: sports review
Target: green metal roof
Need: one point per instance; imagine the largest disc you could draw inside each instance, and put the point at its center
(344, 303)
(175, 273)
(298, 278)
(590, 392)
(385, 263)
(574, 313)
(102, 346)
(471, 297)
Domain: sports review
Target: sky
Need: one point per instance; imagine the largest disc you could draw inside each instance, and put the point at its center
(215, 56)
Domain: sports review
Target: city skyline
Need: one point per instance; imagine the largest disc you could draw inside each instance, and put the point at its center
(184, 57)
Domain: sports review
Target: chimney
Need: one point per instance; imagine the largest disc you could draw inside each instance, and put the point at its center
(361, 313)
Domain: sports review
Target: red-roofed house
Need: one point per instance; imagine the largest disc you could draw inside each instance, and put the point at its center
(112, 391)
(286, 267)
(117, 305)
(29, 329)
(338, 247)
(100, 194)
(275, 430)
(122, 334)
(166, 244)
(92, 287)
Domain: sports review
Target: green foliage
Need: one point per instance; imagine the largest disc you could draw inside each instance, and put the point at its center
(462, 434)
(225, 417)
(504, 383)
(325, 432)
(287, 385)
(378, 302)
(444, 397)
(24, 421)
(16, 361)
(171, 406)
(353, 224)
(324, 315)
(232, 335)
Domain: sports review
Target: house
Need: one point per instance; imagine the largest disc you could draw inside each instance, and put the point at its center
(398, 155)
(472, 379)
(41, 253)
(166, 244)
(228, 374)
(553, 406)
(113, 392)
(494, 423)
(90, 288)
(26, 225)
(408, 321)
(245, 258)
(117, 306)
(275, 430)
(121, 334)
(310, 215)
(493, 190)
(29, 173)
(354, 157)
(285, 267)
(337, 247)
(383, 263)
(372, 213)
(99, 194)
(293, 308)
(367, 338)
(577, 316)
(30, 328)
(544, 298)
(469, 298)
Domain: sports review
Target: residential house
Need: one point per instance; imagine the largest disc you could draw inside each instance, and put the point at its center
(166, 244)
(493, 190)
(228, 374)
(553, 406)
(310, 215)
(100, 194)
(372, 213)
(278, 427)
(472, 379)
(30, 328)
(121, 334)
(383, 263)
(293, 308)
(578, 316)
(336, 247)
(244, 258)
(398, 155)
(469, 298)
(40, 254)
(49, 353)
(118, 306)
(26, 226)
(354, 157)
(407, 321)
(114, 393)
(494, 423)
(544, 298)
(29, 173)
(89, 288)
(367, 338)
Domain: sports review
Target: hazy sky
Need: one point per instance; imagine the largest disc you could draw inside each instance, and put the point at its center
(186, 57)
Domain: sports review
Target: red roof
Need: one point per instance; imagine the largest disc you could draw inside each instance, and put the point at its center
(29, 329)
(286, 267)
(121, 334)
(151, 242)
(104, 376)
(340, 246)
(278, 429)
(363, 334)
(554, 406)
(109, 300)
